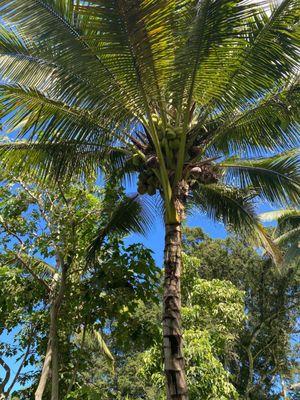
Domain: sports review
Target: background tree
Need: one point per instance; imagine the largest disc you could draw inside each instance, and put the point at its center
(264, 351)
(174, 91)
(44, 241)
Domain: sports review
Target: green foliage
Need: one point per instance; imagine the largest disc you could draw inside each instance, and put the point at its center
(263, 350)
(38, 229)
(213, 313)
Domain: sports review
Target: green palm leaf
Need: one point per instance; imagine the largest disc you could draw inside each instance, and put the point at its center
(287, 232)
(235, 209)
(277, 178)
(270, 123)
(129, 215)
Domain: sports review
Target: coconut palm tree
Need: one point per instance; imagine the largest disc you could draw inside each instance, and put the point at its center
(190, 95)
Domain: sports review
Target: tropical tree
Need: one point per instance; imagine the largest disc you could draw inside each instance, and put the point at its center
(174, 91)
(263, 362)
(44, 238)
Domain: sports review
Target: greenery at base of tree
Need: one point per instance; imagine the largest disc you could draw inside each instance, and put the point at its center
(222, 310)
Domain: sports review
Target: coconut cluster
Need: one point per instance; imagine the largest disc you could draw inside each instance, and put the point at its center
(169, 137)
(147, 183)
(145, 161)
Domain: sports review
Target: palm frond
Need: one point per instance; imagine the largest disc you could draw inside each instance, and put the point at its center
(54, 45)
(129, 215)
(270, 123)
(211, 34)
(38, 265)
(43, 117)
(277, 178)
(280, 215)
(287, 233)
(93, 340)
(292, 235)
(270, 55)
(235, 209)
(61, 160)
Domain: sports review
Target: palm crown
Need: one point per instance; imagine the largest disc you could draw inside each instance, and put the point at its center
(186, 93)
(168, 89)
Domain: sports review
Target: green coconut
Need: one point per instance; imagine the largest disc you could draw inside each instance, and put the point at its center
(164, 143)
(154, 118)
(136, 160)
(178, 131)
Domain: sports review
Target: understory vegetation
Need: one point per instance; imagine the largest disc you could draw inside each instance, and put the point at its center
(239, 310)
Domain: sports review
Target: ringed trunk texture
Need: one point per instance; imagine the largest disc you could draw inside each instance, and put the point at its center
(172, 332)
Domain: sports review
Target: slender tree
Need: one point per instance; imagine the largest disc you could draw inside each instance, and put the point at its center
(59, 226)
(184, 93)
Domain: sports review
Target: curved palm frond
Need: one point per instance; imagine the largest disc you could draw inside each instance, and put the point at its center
(235, 209)
(41, 116)
(129, 215)
(287, 232)
(62, 160)
(94, 340)
(280, 215)
(271, 123)
(54, 45)
(270, 54)
(277, 178)
(291, 235)
(38, 265)
(214, 32)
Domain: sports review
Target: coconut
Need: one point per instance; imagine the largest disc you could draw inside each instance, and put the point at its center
(178, 131)
(151, 190)
(164, 143)
(174, 144)
(196, 170)
(154, 118)
(136, 160)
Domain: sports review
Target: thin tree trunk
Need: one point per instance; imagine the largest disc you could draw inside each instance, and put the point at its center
(45, 373)
(51, 359)
(172, 332)
(54, 351)
(6, 378)
(19, 369)
(54, 313)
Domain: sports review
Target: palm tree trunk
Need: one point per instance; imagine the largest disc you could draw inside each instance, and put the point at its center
(172, 333)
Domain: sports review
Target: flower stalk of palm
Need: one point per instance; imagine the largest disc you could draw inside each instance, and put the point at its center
(184, 93)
